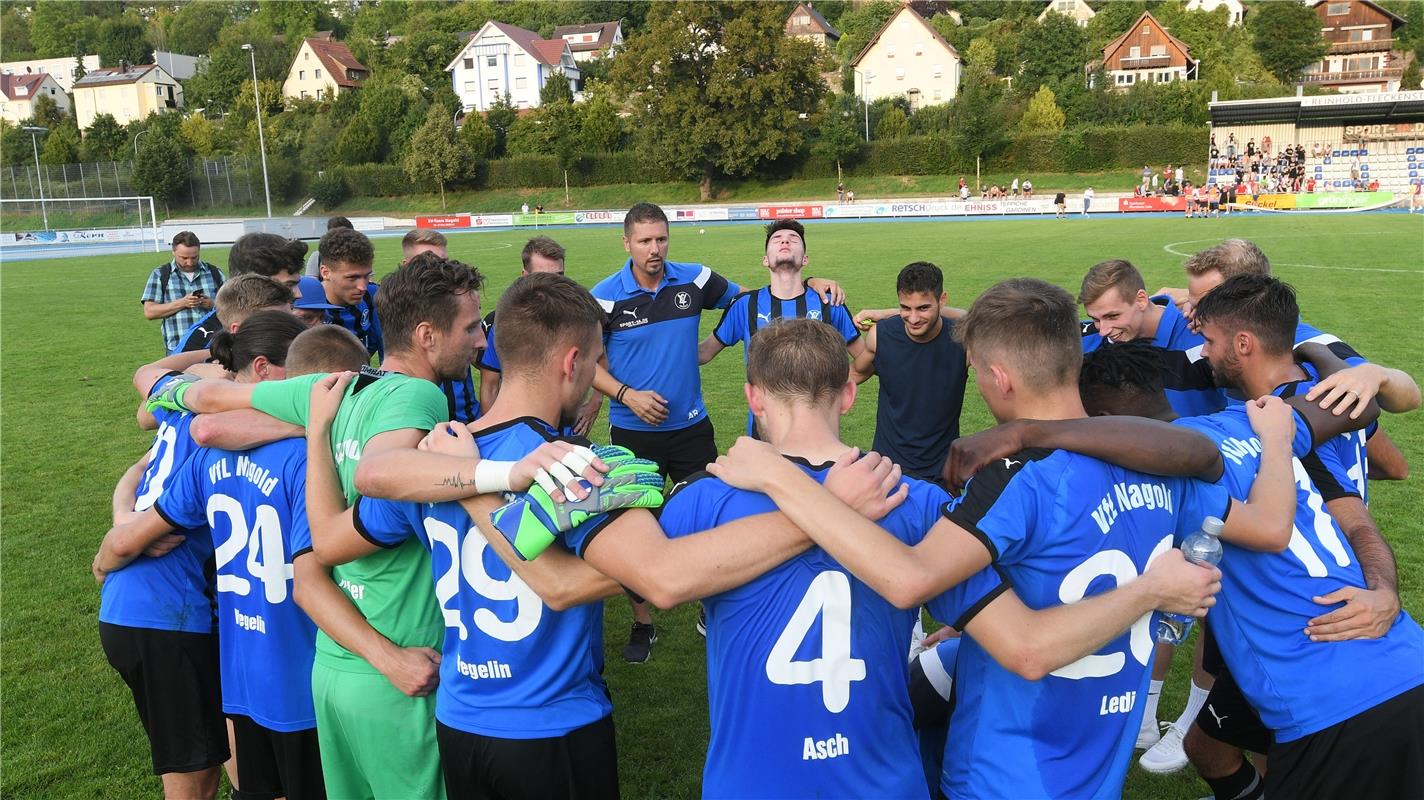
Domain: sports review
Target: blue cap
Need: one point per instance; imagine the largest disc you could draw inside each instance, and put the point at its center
(313, 296)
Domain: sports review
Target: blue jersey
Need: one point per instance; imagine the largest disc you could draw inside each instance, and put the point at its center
(1186, 376)
(752, 311)
(255, 501)
(361, 320)
(1340, 467)
(171, 592)
(511, 667)
(1297, 686)
(462, 398)
(1305, 333)
(807, 676)
(651, 338)
(1059, 527)
(489, 357)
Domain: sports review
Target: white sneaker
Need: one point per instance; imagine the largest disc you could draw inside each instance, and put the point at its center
(1167, 755)
(1148, 735)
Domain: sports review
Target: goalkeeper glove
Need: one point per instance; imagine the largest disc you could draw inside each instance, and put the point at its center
(533, 520)
(171, 397)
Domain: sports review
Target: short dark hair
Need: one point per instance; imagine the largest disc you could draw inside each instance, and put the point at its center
(424, 290)
(544, 246)
(186, 238)
(325, 348)
(785, 225)
(920, 276)
(1231, 258)
(244, 294)
(539, 312)
(346, 246)
(798, 359)
(268, 333)
(1113, 273)
(1260, 304)
(642, 212)
(333, 223)
(1131, 370)
(1032, 325)
(266, 254)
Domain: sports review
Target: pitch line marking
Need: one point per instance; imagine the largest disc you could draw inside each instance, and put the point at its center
(1169, 248)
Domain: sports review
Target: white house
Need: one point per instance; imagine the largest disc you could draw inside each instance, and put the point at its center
(501, 58)
(907, 58)
(1235, 11)
(591, 40)
(18, 94)
(126, 92)
(322, 69)
(61, 69)
(1077, 10)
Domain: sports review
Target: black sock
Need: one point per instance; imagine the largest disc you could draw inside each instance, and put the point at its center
(1243, 784)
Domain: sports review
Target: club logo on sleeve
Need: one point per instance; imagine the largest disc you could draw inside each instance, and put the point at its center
(683, 300)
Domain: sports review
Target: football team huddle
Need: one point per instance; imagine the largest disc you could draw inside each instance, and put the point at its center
(389, 582)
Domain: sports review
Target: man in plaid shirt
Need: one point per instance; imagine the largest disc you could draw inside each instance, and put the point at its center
(181, 291)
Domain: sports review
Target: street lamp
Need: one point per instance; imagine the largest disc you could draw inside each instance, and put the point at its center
(261, 137)
(865, 97)
(34, 131)
(136, 135)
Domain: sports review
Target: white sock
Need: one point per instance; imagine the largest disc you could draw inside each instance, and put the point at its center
(1195, 700)
(1149, 714)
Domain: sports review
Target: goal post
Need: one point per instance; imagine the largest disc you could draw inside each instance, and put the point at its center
(79, 220)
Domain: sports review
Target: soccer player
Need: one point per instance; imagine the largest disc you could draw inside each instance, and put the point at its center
(181, 291)
(155, 616)
(540, 254)
(240, 297)
(313, 267)
(1294, 694)
(346, 269)
(266, 254)
(785, 297)
(382, 662)
(922, 373)
(1053, 523)
(256, 501)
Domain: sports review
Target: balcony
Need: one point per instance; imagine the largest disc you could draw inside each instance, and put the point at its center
(1375, 46)
(1353, 76)
(1146, 62)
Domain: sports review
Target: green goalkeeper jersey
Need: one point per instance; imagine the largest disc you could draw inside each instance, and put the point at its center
(390, 587)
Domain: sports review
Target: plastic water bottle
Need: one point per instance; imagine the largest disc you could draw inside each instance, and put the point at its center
(1202, 547)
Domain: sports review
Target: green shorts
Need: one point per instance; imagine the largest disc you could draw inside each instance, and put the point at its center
(375, 741)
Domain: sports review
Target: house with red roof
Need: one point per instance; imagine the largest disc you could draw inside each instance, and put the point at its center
(592, 40)
(18, 94)
(322, 70)
(504, 59)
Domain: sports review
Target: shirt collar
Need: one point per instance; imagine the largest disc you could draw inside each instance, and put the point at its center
(630, 285)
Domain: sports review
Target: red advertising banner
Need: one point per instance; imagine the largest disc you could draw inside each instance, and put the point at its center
(445, 221)
(789, 212)
(1163, 203)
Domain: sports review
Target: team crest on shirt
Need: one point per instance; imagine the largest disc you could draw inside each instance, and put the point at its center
(683, 300)
(365, 317)
(813, 315)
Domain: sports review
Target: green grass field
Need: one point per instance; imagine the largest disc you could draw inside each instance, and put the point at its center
(72, 334)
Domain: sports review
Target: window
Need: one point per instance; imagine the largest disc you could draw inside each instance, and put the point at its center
(301, 74)
(899, 74)
(1134, 52)
(937, 95)
(518, 59)
(1337, 9)
(1065, 6)
(316, 74)
(1146, 30)
(937, 71)
(491, 61)
(306, 56)
(1125, 79)
(492, 84)
(472, 86)
(890, 51)
(305, 94)
(919, 49)
(521, 82)
(320, 94)
(1164, 77)
(914, 97)
(469, 63)
(802, 19)
(1159, 50)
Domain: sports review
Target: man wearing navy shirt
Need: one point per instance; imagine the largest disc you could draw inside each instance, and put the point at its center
(1058, 526)
(785, 298)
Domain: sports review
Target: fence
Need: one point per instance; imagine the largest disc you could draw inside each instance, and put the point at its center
(212, 183)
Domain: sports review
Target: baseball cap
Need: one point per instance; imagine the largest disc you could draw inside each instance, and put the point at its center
(313, 296)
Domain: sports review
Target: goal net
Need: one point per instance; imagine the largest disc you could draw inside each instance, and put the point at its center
(79, 220)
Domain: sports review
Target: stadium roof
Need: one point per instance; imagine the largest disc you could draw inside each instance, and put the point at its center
(1383, 106)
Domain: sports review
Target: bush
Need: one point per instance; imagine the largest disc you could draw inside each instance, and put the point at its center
(330, 190)
(1095, 148)
(375, 180)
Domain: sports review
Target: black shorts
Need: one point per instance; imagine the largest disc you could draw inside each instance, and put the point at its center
(1375, 753)
(272, 764)
(679, 453)
(580, 765)
(173, 676)
(1227, 717)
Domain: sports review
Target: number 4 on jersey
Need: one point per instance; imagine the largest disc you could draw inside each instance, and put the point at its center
(829, 598)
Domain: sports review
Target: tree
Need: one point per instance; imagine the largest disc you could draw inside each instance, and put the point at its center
(893, 124)
(981, 53)
(840, 138)
(1287, 38)
(1052, 50)
(858, 25)
(198, 134)
(105, 140)
(15, 34)
(435, 155)
(123, 40)
(600, 129)
(1043, 113)
(194, 27)
(555, 89)
(161, 168)
(500, 117)
(718, 86)
(47, 112)
(976, 127)
(359, 143)
(526, 137)
(478, 136)
(61, 146)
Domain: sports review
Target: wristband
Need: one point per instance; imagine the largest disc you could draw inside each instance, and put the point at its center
(492, 476)
(622, 390)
